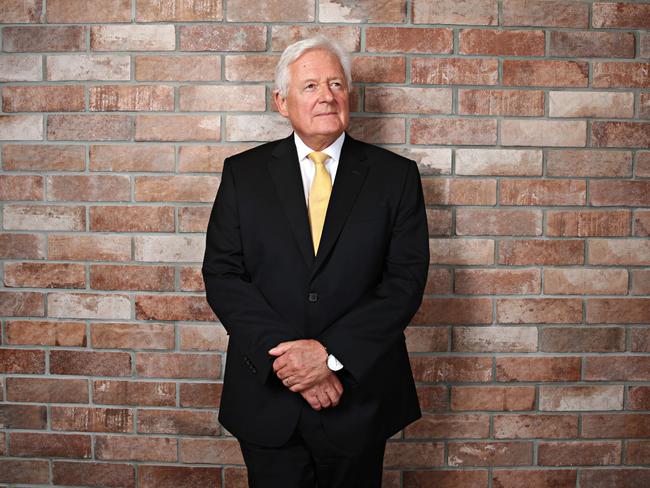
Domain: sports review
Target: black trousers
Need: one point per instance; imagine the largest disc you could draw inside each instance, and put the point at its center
(310, 460)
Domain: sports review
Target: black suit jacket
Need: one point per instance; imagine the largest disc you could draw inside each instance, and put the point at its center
(355, 296)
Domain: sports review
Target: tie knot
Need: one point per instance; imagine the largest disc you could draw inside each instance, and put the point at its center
(318, 157)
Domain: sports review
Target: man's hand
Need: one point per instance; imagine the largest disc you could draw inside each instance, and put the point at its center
(300, 364)
(324, 394)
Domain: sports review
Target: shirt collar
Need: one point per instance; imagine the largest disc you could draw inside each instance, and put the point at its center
(333, 150)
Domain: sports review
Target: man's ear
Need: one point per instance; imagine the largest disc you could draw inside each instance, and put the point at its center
(281, 103)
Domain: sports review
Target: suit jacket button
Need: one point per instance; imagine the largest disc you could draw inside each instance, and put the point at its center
(313, 297)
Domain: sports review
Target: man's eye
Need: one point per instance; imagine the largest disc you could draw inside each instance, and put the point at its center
(310, 86)
(336, 84)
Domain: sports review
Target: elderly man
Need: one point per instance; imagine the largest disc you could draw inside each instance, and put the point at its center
(316, 260)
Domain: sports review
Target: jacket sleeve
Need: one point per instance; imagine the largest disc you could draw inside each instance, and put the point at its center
(253, 325)
(360, 337)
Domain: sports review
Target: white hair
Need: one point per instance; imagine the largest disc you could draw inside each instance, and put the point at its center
(297, 49)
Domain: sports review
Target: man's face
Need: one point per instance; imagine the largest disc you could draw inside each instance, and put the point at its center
(317, 100)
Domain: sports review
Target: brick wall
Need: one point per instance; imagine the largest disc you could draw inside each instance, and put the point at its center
(529, 120)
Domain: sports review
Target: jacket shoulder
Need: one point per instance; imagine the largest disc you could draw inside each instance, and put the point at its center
(255, 155)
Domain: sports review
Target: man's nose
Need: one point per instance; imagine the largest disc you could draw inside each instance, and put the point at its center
(325, 93)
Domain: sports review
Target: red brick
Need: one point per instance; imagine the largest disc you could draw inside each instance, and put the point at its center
(74, 11)
(46, 333)
(494, 339)
(206, 159)
(109, 98)
(625, 15)
(454, 311)
(250, 67)
(210, 451)
(640, 282)
(520, 72)
(577, 398)
(139, 157)
(620, 134)
(615, 425)
(379, 69)
(115, 392)
(640, 339)
(541, 252)
(178, 68)
(171, 249)
(44, 275)
(90, 363)
(178, 10)
(131, 218)
(215, 37)
(263, 127)
(22, 246)
(111, 475)
(177, 128)
(590, 104)
(21, 127)
(182, 422)
(21, 68)
(446, 479)
(578, 453)
(148, 278)
(619, 193)
(86, 419)
(21, 304)
(90, 247)
(169, 307)
(44, 39)
(391, 11)
(438, 281)
(500, 102)
(93, 188)
(617, 368)
(520, 132)
(88, 67)
(638, 398)
(502, 42)
(556, 13)
(543, 478)
(409, 39)
(199, 395)
(539, 310)
(617, 251)
(454, 71)
(453, 131)
(22, 417)
(408, 100)
(620, 478)
(222, 98)
(543, 192)
(618, 310)
(500, 398)
(49, 445)
(426, 339)
(449, 426)
(20, 361)
(621, 74)
(173, 365)
(132, 37)
(433, 398)
(56, 98)
(203, 337)
(585, 281)
(497, 281)
(89, 306)
(498, 221)
(572, 44)
(348, 36)
(43, 157)
(414, 454)
(465, 191)
(132, 448)
(636, 452)
(546, 426)
(582, 339)
(193, 219)
(132, 336)
(442, 369)
(599, 163)
(430, 160)
(88, 127)
(14, 471)
(47, 390)
(479, 12)
(644, 106)
(490, 453)
(21, 187)
(499, 162)
(21, 11)
(439, 222)
(564, 368)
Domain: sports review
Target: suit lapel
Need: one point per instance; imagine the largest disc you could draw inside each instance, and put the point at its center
(350, 176)
(285, 172)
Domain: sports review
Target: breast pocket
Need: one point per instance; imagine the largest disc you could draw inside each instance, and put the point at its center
(368, 212)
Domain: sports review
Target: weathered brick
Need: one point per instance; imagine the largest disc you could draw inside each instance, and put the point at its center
(49, 445)
(178, 10)
(47, 390)
(449, 426)
(522, 426)
(200, 394)
(502, 42)
(90, 247)
(451, 191)
(132, 38)
(414, 454)
(620, 134)
(591, 104)
(640, 282)
(507, 398)
(640, 339)
(616, 368)
(45, 157)
(453, 131)
(199, 98)
(461, 251)
(409, 39)
(618, 310)
(498, 222)
(138, 157)
(479, 12)
(15, 471)
(592, 162)
(430, 160)
(591, 44)
(348, 36)
(44, 39)
(438, 281)
(408, 100)
(111, 475)
(94, 188)
(168, 365)
(88, 306)
(131, 219)
(453, 71)
(379, 130)
(543, 192)
(21, 246)
(520, 72)
(201, 337)
(494, 339)
(21, 187)
(501, 102)
(21, 361)
(426, 339)
(499, 453)
(44, 275)
(499, 162)
(116, 392)
(582, 339)
(20, 68)
(636, 452)
(577, 398)
(210, 451)
(22, 417)
(223, 37)
(522, 368)
(169, 307)
(541, 252)
(185, 422)
(579, 453)
(638, 398)
(55, 98)
(206, 159)
(554, 13)
(148, 278)
(625, 15)
(177, 128)
(391, 11)
(620, 193)
(110, 98)
(176, 188)
(621, 478)
(258, 128)
(82, 67)
(22, 304)
(379, 69)
(433, 398)
(562, 281)
(21, 11)
(132, 336)
(193, 219)
(616, 251)
(132, 448)
(178, 68)
(74, 11)
(497, 281)
(622, 74)
(615, 425)
(439, 222)
(540, 478)
(451, 369)
(90, 363)
(85, 419)
(446, 479)
(93, 127)
(21, 127)
(45, 333)
(539, 310)
(519, 132)
(644, 105)
(250, 67)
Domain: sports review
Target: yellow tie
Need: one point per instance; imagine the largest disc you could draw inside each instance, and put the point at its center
(319, 196)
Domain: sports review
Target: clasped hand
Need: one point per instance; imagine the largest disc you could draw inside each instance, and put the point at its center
(302, 367)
